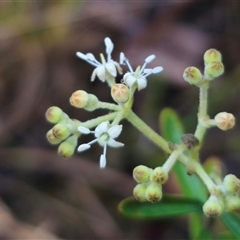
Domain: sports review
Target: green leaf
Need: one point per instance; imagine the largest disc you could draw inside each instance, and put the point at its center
(232, 222)
(169, 206)
(172, 129)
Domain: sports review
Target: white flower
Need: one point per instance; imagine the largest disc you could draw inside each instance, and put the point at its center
(106, 68)
(140, 74)
(105, 135)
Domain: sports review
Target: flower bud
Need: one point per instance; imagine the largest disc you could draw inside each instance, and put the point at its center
(66, 149)
(192, 75)
(232, 203)
(213, 70)
(153, 193)
(224, 120)
(79, 99)
(61, 131)
(231, 183)
(120, 93)
(51, 139)
(189, 140)
(92, 103)
(54, 114)
(142, 174)
(159, 175)
(212, 55)
(212, 207)
(139, 192)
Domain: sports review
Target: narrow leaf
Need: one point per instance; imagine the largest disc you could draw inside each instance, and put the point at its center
(232, 222)
(169, 206)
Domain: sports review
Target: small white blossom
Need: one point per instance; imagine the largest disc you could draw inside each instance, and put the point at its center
(105, 136)
(104, 69)
(140, 75)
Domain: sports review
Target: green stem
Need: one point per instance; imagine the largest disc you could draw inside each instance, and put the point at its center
(147, 131)
(110, 106)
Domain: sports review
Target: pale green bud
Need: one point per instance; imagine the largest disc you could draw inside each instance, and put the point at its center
(212, 55)
(139, 192)
(79, 99)
(192, 75)
(92, 103)
(213, 70)
(142, 174)
(231, 183)
(232, 203)
(54, 114)
(120, 93)
(212, 207)
(66, 149)
(159, 175)
(51, 139)
(224, 120)
(153, 193)
(61, 131)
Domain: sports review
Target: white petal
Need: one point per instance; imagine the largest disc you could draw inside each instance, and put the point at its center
(109, 45)
(94, 74)
(114, 143)
(83, 147)
(129, 80)
(157, 70)
(103, 161)
(101, 128)
(91, 57)
(111, 68)
(83, 130)
(100, 70)
(81, 55)
(114, 131)
(142, 83)
(149, 58)
(122, 58)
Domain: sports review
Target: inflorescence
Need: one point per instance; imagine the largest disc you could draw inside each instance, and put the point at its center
(66, 131)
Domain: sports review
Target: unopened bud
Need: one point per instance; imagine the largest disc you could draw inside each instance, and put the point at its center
(192, 75)
(120, 93)
(139, 192)
(213, 70)
(79, 99)
(153, 193)
(232, 203)
(159, 175)
(92, 103)
(224, 120)
(212, 207)
(231, 183)
(66, 149)
(61, 131)
(212, 55)
(142, 174)
(54, 114)
(51, 139)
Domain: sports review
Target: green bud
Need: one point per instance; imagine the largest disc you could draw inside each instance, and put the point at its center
(61, 131)
(212, 207)
(67, 148)
(120, 93)
(51, 139)
(231, 183)
(142, 174)
(192, 75)
(54, 114)
(224, 120)
(139, 192)
(213, 70)
(79, 99)
(92, 103)
(212, 55)
(159, 175)
(232, 203)
(153, 193)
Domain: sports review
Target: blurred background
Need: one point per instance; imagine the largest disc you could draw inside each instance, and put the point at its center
(43, 196)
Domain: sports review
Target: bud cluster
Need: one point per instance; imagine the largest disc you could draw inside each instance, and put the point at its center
(62, 132)
(213, 69)
(149, 187)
